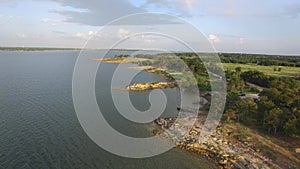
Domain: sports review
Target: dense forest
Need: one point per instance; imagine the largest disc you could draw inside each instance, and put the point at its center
(278, 108)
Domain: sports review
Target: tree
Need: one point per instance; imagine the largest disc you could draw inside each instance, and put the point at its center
(238, 70)
(279, 69)
(272, 93)
(256, 77)
(264, 105)
(291, 126)
(242, 85)
(231, 100)
(272, 119)
(245, 107)
(235, 82)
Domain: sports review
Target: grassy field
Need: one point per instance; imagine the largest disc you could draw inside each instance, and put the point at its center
(268, 70)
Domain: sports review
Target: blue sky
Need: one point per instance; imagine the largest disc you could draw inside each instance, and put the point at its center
(270, 26)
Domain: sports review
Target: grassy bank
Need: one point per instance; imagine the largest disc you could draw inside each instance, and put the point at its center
(268, 70)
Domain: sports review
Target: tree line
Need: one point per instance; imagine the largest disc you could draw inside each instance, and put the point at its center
(260, 59)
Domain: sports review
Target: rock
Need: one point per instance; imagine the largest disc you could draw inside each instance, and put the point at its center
(150, 85)
(226, 155)
(298, 150)
(211, 155)
(222, 162)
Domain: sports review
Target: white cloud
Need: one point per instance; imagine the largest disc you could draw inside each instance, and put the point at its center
(15, 17)
(80, 35)
(22, 35)
(123, 33)
(11, 16)
(52, 21)
(213, 38)
(29, 35)
(45, 20)
(241, 41)
(91, 33)
(138, 38)
(148, 38)
(86, 35)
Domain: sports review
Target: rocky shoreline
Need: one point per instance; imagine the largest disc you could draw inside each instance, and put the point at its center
(146, 85)
(127, 60)
(218, 147)
(150, 86)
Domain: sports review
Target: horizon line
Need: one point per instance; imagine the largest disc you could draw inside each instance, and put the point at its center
(136, 49)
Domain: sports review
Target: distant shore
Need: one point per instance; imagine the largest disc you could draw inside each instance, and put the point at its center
(32, 49)
(145, 85)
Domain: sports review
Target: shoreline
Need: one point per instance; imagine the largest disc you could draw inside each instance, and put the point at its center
(121, 60)
(150, 86)
(142, 86)
(217, 148)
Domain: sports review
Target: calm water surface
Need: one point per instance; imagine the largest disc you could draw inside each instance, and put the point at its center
(39, 127)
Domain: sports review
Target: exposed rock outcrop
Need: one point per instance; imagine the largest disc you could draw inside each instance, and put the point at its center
(150, 86)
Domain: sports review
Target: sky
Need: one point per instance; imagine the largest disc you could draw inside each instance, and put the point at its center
(243, 26)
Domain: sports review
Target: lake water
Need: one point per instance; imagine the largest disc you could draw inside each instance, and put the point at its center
(39, 127)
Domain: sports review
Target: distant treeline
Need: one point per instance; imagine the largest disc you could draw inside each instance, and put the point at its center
(33, 49)
(260, 59)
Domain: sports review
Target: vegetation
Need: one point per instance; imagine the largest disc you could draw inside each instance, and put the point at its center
(278, 108)
(276, 111)
(262, 112)
(183, 67)
(259, 59)
(287, 71)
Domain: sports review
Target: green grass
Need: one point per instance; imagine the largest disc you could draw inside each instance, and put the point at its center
(268, 70)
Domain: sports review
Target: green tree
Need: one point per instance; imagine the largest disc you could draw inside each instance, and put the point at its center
(279, 69)
(245, 108)
(231, 100)
(291, 126)
(272, 119)
(238, 70)
(264, 105)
